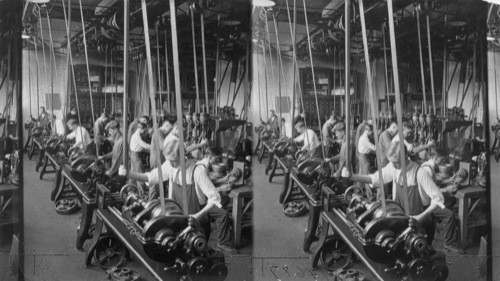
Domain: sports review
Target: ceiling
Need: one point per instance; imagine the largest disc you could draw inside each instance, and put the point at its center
(465, 20)
(104, 22)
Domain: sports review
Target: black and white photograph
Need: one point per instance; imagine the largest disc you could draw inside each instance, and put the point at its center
(249, 140)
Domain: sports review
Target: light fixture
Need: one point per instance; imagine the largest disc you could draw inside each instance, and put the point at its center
(263, 3)
(38, 1)
(496, 2)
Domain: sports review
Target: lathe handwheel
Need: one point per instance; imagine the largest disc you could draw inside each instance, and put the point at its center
(197, 269)
(128, 188)
(109, 252)
(336, 254)
(349, 192)
(218, 272)
(294, 208)
(351, 275)
(123, 274)
(66, 206)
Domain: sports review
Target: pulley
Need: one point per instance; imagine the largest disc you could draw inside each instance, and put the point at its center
(335, 254)
(295, 208)
(123, 274)
(109, 252)
(129, 189)
(81, 168)
(66, 206)
(307, 170)
(351, 275)
(218, 272)
(197, 269)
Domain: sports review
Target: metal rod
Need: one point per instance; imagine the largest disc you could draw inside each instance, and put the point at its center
(399, 111)
(347, 73)
(314, 78)
(177, 80)
(386, 71)
(373, 107)
(167, 73)
(294, 90)
(156, 139)
(126, 60)
(43, 43)
(160, 89)
(280, 71)
(205, 79)
(266, 79)
(431, 68)
(217, 68)
(422, 71)
(195, 63)
(445, 70)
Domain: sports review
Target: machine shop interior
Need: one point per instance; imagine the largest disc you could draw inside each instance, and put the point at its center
(249, 140)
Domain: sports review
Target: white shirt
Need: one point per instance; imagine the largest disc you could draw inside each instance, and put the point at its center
(365, 146)
(59, 129)
(81, 137)
(205, 189)
(408, 145)
(428, 190)
(137, 144)
(310, 140)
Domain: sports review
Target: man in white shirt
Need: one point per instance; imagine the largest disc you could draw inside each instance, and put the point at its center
(80, 135)
(310, 139)
(366, 150)
(424, 196)
(137, 147)
(204, 200)
(59, 129)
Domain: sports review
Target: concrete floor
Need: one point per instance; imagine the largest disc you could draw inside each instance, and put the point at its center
(278, 240)
(50, 240)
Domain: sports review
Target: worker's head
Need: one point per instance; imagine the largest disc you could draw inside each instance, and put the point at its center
(300, 127)
(369, 129)
(189, 116)
(393, 128)
(142, 128)
(113, 128)
(333, 119)
(54, 118)
(196, 117)
(72, 124)
(393, 154)
(168, 124)
(421, 118)
(303, 114)
(104, 116)
(438, 156)
(406, 129)
(340, 132)
(272, 112)
(144, 119)
(42, 109)
(213, 154)
(73, 111)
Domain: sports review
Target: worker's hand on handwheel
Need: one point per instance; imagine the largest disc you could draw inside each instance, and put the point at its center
(122, 171)
(346, 173)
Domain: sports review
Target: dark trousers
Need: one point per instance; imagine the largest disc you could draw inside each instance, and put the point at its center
(222, 225)
(446, 217)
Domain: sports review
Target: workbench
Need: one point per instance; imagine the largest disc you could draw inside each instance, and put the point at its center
(242, 196)
(468, 198)
(314, 207)
(88, 204)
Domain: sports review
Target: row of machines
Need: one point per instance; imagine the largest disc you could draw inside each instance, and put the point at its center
(391, 246)
(170, 245)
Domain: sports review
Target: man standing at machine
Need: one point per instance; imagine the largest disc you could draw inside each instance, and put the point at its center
(366, 150)
(81, 137)
(138, 146)
(310, 139)
(423, 195)
(116, 154)
(100, 129)
(329, 136)
(204, 200)
(385, 140)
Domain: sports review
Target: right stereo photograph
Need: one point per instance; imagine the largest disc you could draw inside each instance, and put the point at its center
(377, 139)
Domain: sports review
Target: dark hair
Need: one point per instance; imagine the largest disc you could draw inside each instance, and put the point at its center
(212, 151)
(141, 125)
(72, 122)
(300, 125)
(54, 116)
(170, 119)
(369, 126)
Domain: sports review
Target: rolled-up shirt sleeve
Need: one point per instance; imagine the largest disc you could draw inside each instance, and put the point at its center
(425, 180)
(203, 182)
(387, 175)
(166, 172)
